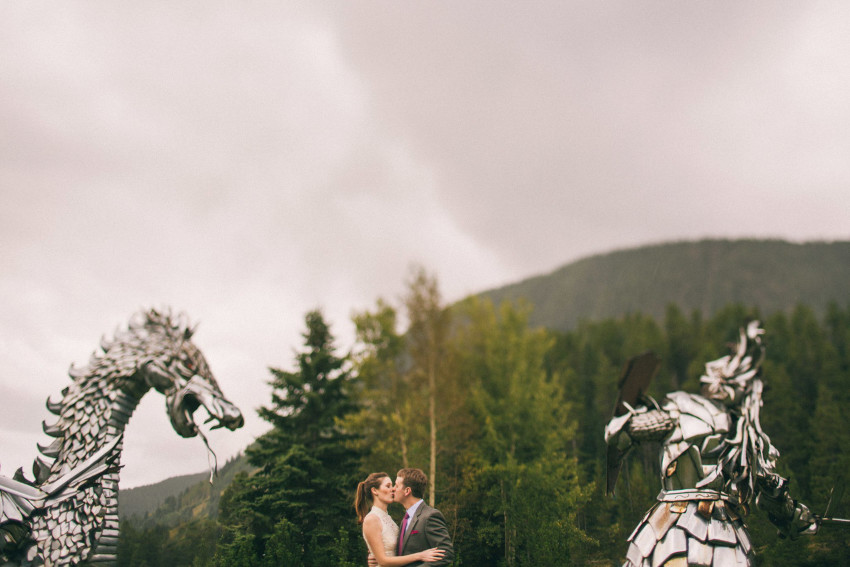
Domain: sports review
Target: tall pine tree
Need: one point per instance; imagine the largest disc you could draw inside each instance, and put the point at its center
(307, 469)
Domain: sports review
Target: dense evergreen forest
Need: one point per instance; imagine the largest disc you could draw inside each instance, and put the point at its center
(507, 420)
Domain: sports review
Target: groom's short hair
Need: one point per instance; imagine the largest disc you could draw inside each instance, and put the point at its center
(415, 480)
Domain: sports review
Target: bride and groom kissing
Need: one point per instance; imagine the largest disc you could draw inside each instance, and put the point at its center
(423, 536)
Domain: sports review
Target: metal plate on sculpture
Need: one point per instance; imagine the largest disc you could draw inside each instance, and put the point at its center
(729, 557)
(700, 554)
(743, 538)
(693, 427)
(646, 540)
(691, 405)
(721, 532)
(633, 556)
(662, 519)
(674, 542)
(693, 523)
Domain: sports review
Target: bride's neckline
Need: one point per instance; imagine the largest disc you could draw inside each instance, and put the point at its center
(378, 510)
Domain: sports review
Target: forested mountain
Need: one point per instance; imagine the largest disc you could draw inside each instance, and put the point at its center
(771, 275)
(507, 416)
(179, 498)
(146, 499)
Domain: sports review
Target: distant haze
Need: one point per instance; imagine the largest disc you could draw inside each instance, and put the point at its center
(246, 162)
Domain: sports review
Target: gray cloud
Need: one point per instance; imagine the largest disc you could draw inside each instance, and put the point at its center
(248, 163)
(566, 128)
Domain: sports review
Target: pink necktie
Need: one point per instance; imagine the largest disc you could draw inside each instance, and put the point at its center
(401, 533)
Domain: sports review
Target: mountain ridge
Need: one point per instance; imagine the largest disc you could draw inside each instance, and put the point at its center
(703, 275)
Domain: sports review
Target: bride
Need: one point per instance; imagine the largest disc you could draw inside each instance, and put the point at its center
(379, 530)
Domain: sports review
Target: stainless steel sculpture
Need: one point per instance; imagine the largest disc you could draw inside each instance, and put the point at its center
(68, 515)
(715, 460)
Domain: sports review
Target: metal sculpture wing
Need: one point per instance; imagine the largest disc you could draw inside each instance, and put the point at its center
(633, 384)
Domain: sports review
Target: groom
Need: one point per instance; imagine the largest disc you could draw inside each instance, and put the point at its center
(422, 527)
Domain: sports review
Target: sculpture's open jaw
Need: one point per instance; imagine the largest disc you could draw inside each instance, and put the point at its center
(197, 393)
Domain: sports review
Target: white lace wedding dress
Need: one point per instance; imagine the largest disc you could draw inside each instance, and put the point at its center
(389, 531)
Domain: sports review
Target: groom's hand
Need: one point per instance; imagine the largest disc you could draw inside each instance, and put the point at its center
(372, 561)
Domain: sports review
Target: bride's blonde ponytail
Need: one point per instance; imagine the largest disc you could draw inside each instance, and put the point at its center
(364, 493)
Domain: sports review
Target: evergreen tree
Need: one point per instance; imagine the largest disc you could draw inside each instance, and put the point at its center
(300, 498)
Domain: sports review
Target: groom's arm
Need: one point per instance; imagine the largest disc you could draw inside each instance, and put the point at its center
(437, 533)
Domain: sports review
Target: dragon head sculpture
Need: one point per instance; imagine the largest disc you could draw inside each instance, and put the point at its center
(731, 378)
(156, 351)
(182, 375)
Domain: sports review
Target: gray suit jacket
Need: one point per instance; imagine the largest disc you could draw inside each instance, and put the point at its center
(428, 529)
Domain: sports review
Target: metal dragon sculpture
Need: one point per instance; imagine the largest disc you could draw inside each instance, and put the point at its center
(715, 461)
(68, 514)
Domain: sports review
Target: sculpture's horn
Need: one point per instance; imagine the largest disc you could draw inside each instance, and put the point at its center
(19, 476)
(53, 430)
(75, 372)
(51, 450)
(54, 407)
(40, 470)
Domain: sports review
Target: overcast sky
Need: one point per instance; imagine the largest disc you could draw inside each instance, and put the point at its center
(246, 162)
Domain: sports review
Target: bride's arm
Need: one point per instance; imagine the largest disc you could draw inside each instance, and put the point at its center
(372, 533)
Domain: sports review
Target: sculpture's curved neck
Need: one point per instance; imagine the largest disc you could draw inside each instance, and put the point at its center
(121, 409)
(92, 414)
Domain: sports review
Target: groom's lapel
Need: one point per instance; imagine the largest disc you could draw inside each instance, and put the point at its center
(413, 523)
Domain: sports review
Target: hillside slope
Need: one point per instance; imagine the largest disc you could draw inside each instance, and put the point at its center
(178, 499)
(141, 499)
(772, 275)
